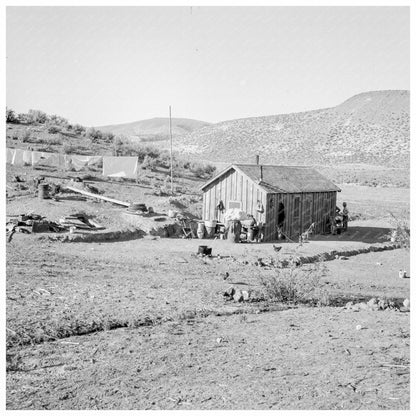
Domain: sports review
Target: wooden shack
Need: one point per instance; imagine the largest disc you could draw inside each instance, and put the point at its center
(289, 198)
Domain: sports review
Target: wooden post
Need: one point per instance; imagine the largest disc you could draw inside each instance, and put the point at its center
(171, 151)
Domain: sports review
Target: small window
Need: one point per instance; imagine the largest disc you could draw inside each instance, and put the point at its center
(234, 204)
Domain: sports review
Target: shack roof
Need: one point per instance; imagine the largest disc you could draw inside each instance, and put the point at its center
(282, 179)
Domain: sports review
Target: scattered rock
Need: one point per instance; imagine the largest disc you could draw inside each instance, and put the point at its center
(382, 304)
(229, 292)
(238, 296)
(246, 295)
(372, 304)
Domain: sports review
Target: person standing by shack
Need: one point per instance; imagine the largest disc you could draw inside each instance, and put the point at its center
(344, 214)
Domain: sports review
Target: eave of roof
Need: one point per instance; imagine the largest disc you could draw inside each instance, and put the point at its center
(269, 188)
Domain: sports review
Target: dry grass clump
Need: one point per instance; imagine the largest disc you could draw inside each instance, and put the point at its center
(296, 284)
(400, 232)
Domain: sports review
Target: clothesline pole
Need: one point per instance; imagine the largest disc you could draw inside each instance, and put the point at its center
(171, 151)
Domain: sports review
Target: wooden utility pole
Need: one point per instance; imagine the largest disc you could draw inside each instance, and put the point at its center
(171, 151)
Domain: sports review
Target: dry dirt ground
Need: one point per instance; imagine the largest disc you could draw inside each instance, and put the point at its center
(165, 338)
(143, 324)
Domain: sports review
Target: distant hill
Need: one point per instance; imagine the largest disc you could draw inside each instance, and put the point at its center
(371, 128)
(155, 129)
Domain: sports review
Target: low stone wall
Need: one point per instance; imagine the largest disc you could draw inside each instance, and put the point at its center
(334, 254)
(118, 235)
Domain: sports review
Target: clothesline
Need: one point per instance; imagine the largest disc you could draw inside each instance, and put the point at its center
(113, 166)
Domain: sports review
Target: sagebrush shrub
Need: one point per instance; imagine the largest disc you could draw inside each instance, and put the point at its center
(69, 148)
(400, 233)
(54, 129)
(295, 283)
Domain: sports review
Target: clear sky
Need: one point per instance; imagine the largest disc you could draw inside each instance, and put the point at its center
(109, 65)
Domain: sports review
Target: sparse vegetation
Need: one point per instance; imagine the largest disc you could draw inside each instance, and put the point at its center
(295, 283)
(38, 116)
(70, 148)
(202, 171)
(400, 232)
(11, 116)
(371, 128)
(54, 130)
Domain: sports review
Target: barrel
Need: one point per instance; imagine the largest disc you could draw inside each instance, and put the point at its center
(43, 189)
(210, 227)
(201, 230)
(234, 231)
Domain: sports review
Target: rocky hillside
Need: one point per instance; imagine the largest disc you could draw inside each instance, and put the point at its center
(371, 128)
(155, 129)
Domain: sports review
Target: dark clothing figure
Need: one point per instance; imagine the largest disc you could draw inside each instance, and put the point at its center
(344, 214)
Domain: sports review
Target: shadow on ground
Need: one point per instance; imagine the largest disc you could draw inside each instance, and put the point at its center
(368, 235)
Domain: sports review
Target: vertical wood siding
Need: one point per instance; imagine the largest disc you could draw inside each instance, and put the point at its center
(314, 207)
(233, 186)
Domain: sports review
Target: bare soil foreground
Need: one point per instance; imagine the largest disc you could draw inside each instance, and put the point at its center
(144, 324)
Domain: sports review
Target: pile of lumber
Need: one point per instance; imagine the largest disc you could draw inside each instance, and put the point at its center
(80, 221)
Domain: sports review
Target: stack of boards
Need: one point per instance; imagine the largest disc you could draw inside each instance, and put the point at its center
(80, 222)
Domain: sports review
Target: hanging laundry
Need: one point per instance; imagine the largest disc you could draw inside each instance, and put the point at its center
(9, 155)
(95, 160)
(79, 161)
(36, 157)
(27, 157)
(18, 158)
(120, 166)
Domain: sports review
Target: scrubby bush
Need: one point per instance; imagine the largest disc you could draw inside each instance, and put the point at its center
(124, 147)
(54, 129)
(93, 134)
(202, 171)
(26, 136)
(69, 148)
(78, 129)
(24, 118)
(149, 162)
(108, 137)
(164, 159)
(53, 141)
(38, 116)
(295, 283)
(400, 233)
(11, 116)
(58, 120)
